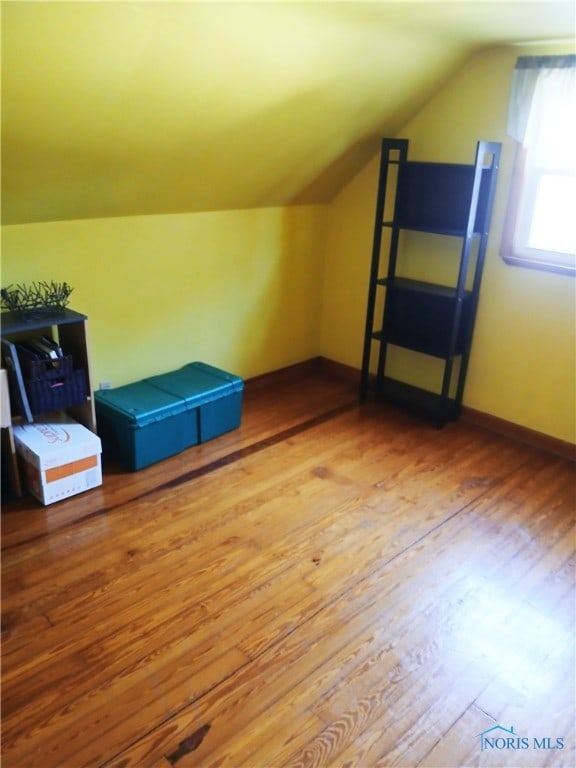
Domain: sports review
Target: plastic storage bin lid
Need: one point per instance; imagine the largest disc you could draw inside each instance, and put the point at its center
(198, 383)
(141, 403)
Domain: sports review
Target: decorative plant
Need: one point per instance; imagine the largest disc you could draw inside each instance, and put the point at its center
(39, 296)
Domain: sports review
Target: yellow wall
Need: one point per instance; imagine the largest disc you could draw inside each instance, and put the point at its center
(237, 289)
(522, 366)
(255, 290)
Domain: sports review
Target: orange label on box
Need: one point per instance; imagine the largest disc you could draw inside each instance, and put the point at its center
(65, 470)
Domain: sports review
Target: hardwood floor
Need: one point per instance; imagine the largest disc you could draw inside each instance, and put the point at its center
(329, 585)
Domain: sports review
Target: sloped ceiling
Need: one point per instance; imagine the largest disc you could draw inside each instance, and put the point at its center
(123, 108)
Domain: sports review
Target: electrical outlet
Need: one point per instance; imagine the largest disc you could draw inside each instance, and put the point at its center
(105, 385)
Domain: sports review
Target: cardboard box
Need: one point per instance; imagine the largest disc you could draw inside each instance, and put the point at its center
(5, 411)
(60, 459)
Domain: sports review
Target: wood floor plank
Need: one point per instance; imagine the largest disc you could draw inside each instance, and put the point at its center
(117, 609)
(459, 744)
(265, 743)
(266, 410)
(293, 690)
(171, 548)
(349, 686)
(329, 585)
(139, 695)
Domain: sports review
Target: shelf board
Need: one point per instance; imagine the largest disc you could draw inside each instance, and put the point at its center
(431, 229)
(21, 322)
(421, 286)
(425, 347)
(417, 399)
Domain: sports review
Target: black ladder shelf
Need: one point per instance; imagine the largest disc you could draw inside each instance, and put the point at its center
(441, 198)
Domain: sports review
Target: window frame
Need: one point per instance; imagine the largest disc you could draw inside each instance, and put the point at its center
(548, 261)
(540, 115)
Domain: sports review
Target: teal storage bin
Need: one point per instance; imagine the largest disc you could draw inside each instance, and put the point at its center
(213, 396)
(143, 424)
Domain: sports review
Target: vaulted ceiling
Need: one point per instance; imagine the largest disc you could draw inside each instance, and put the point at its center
(121, 108)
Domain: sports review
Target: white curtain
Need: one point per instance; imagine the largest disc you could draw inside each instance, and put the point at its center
(542, 113)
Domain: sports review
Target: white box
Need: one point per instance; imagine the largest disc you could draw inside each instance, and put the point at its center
(60, 459)
(5, 414)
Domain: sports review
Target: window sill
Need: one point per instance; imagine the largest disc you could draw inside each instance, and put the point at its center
(544, 266)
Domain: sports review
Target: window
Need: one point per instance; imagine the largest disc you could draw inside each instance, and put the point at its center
(540, 227)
